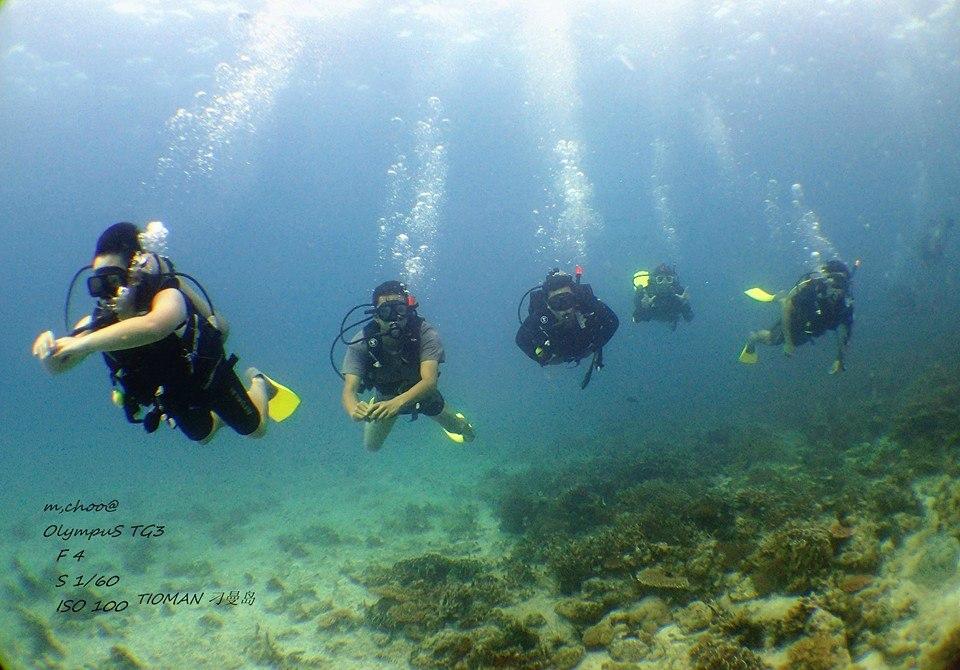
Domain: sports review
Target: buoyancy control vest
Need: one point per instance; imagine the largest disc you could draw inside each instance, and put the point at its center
(175, 367)
(820, 305)
(394, 371)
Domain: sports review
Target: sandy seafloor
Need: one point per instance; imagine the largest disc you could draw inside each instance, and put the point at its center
(233, 543)
(298, 550)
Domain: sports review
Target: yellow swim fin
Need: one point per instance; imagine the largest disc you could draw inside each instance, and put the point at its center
(760, 295)
(283, 403)
(460, 438)
(749, 355)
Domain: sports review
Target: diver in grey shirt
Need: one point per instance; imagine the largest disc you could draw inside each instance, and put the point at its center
(398, 355)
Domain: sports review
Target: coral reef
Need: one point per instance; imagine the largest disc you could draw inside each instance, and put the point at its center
(818, 652)
(646, 616)
(710, 653)
(946, 504)
(628, 650)
(742, 515)
(794, 522)
(338, 618)
(946, 654)
(694, 617)
(580, 611)
(678, 515)
(509, 643)
(300, 604)
(263, 649)
(419, 596)
(795, 558)
(658, 579)
(599, 635)
(622, 550)
(463, 524)
(794, 622)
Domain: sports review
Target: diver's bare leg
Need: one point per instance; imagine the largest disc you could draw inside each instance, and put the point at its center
(761, 336)
(375, 433)
(259, 391)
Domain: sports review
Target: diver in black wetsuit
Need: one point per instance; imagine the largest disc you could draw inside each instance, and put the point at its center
(163, 345)
(565, 323)
(658, 296)
(818, 302)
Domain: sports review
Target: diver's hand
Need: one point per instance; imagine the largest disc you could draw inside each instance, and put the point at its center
(360, 410)
(43, 348)
(647, 300)
(385, 409)
(70, 348)
(44, 345)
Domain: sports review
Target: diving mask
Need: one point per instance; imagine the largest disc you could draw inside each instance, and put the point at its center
(392, 310)
(106, 281)
(663, 279)
(561, 302)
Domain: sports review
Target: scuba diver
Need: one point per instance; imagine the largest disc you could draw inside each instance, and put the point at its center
(933, 241)
(397, 354)
(818, 302)
(163, 345)
(565, 323)
(659, 296)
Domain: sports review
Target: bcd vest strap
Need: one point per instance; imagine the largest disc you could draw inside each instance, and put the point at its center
(387, 368)
(180, 361)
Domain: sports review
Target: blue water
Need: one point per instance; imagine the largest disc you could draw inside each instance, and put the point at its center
(273, 181)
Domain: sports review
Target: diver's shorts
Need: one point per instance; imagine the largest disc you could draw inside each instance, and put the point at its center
(432, 405)
(777, 336)
(226, 397)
